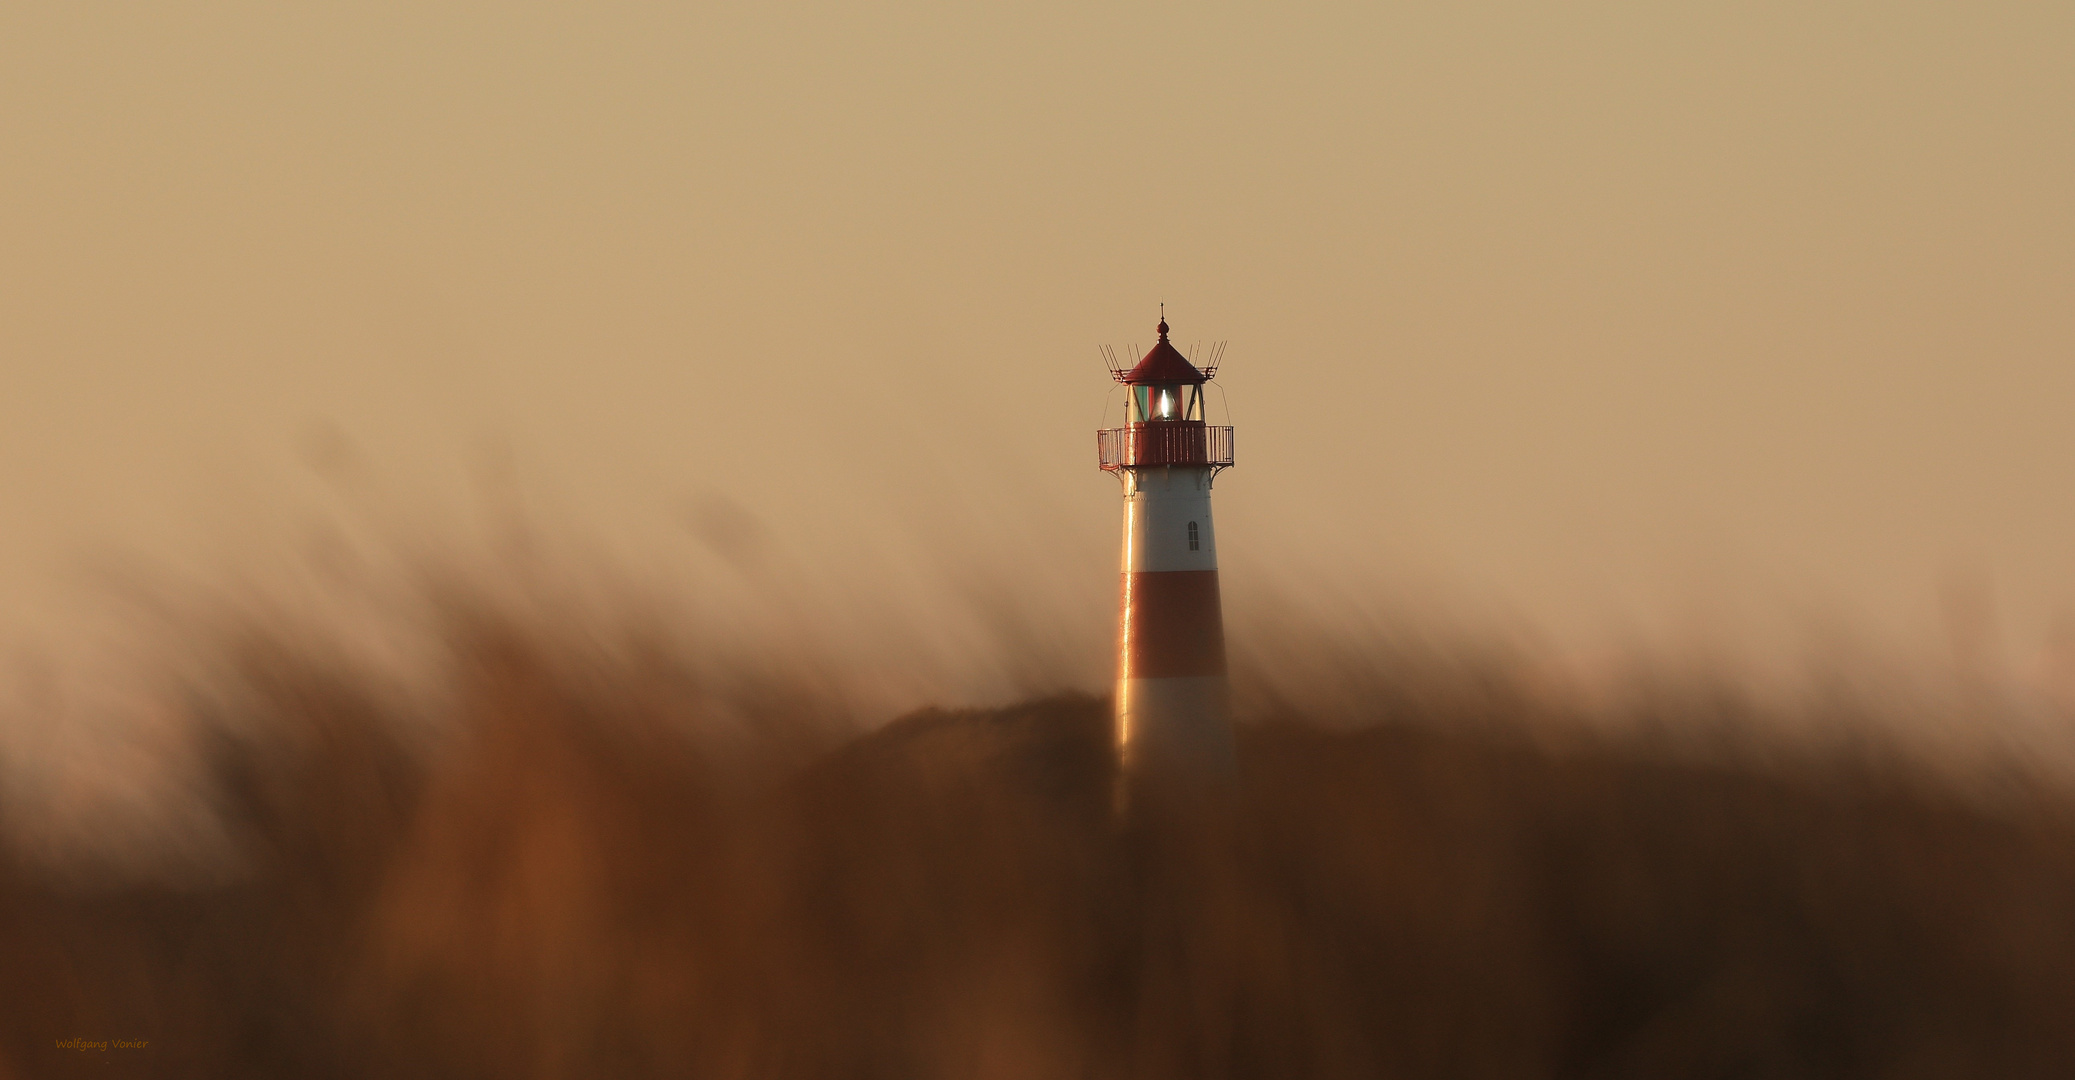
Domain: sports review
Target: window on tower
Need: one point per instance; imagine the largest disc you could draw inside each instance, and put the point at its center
(1192, 537)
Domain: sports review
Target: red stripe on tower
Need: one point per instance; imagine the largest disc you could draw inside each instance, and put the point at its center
(1171, 626)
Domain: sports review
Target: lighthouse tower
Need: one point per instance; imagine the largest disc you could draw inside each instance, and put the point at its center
(1173, 701)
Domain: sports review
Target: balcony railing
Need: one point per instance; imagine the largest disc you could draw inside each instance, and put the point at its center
(1170, 442)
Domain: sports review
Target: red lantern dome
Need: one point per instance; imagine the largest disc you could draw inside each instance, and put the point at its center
(1165, 364)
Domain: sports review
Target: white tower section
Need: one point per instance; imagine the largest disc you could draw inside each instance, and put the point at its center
(1173, 704)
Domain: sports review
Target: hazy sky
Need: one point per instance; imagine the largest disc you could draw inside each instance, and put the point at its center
(1601, 315)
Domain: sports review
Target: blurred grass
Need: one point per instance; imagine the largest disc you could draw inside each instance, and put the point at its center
(585, 879)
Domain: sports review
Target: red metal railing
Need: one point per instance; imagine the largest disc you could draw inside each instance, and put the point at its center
(1165, 442)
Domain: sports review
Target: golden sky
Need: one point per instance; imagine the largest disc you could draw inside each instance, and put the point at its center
(1601, 316)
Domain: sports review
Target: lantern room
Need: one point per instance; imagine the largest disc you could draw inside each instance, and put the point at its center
(1164, 401)
(1164, 386)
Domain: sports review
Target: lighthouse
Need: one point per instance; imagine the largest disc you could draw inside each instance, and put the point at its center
(1173, 705)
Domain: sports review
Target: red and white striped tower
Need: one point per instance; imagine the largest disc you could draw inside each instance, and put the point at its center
(1173, 702)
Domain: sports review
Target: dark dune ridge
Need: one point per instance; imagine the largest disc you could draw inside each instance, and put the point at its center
(589, 879)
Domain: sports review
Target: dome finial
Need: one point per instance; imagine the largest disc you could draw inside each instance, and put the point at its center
(1163, 321)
